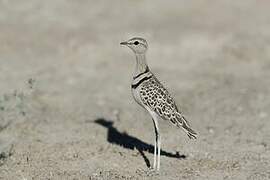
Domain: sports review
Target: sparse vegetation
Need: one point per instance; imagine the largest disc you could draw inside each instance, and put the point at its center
(14, 104)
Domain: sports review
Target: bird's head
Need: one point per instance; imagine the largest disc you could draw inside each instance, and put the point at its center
(138, 45)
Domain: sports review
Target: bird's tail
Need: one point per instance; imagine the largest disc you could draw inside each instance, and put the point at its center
(182, 122)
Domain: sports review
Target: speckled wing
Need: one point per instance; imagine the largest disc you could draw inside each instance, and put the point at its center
(155, 96)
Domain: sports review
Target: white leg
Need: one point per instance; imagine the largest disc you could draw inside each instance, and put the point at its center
(157, 139)
(155, 149)
(158, 145)
(155, 155)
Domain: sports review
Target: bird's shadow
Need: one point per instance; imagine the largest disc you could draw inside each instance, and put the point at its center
(129, 142)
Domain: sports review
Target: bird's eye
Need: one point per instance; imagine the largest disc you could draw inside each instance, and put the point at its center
(136, 42)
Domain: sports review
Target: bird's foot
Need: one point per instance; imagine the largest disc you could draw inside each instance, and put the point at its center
(148, 172)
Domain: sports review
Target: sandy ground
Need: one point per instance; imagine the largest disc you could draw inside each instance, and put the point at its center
(65, 102)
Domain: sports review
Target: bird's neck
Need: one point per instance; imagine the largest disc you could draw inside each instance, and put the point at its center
(141, 64)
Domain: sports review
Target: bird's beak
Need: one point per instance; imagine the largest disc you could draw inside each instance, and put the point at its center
(124, 43)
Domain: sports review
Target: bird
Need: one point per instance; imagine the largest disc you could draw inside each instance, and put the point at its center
(149, 93)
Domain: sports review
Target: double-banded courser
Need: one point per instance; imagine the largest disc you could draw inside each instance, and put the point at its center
(151, 95)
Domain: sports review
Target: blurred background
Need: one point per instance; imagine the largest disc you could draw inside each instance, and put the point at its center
(65, 96)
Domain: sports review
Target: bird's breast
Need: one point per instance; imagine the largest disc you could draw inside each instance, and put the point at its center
(136, 96)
